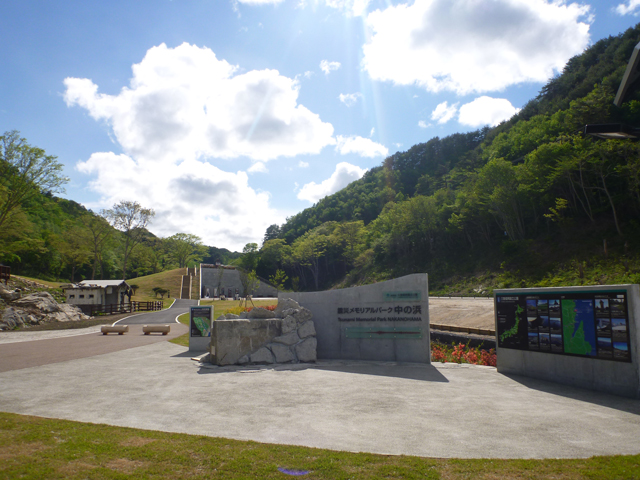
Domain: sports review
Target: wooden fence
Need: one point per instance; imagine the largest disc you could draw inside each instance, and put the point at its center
(5, 274)
(115, 308)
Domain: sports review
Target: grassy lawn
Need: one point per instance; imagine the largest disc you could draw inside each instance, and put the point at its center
(169, 280)
(37, 448)
(41, 282)
(219, 307)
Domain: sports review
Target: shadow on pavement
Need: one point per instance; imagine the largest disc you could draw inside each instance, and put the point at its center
(408, 371)
(602, 399)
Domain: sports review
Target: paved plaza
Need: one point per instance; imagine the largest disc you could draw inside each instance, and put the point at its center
(441, 410)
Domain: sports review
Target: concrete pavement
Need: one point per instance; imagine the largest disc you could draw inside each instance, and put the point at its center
(433, 411)
(169, 315)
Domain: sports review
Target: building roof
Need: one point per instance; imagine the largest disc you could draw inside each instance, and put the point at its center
(103, 283)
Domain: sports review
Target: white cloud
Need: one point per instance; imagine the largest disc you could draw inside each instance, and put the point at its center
(193, 197)
(373, 130)
(470, 46)
(349, 99)
(486, 111)
(630, 7)
(444, 112)
(327, 67)
(258, 167)
(308, 74)
(302, 164)
(352, 8)
(423, 124)
(344, 174)
(184, 103)
(183, 108)
(260, 2)
(360, 145)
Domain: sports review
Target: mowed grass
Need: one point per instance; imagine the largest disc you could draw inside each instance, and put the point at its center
(37, 448)
(169, 280)
(219, 307)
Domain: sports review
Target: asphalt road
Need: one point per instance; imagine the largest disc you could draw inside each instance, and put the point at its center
(167, 316)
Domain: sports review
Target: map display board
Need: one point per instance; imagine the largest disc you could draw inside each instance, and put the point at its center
(200, 321)
(586, 324)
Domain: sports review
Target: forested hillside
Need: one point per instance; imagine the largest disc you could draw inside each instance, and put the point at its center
(51, 238)
(531, 201)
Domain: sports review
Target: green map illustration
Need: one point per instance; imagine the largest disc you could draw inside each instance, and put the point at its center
(578, 327)
(513, 330)
(201, 324)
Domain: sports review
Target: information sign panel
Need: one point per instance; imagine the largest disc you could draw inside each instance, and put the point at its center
(200, 321)
(586, 324)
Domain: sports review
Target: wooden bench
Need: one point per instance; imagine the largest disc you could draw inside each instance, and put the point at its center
(163, 329)
(119, 329)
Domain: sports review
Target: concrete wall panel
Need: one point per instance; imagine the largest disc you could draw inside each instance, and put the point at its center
(365, 334)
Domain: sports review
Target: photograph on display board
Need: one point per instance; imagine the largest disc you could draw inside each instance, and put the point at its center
(618, 307)
(532, 309)
(621, 350)
(602, 307)
(605, 347)
(619, 325)
(555, 325)
(534, 343)
(532, 322)
(545, 342)
(554, 307)
(543, 323)
(543, 307)
(604, 327)
(556, 343)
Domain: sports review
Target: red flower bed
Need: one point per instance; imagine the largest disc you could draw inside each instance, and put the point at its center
(268, 307)
(462, 353)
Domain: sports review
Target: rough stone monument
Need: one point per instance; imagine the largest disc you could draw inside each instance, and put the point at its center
(284, 335)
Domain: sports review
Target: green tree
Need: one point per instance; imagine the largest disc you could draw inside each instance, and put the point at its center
(250, 257)
(131, 219)
(185, 247)
(308, 250)
(25, 171)
(279, 279)
(99, 232)
(249, 281)
(74, 246)
(273, 232)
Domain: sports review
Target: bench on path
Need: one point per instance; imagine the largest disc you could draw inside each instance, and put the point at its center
(164, 329)
(119, 329)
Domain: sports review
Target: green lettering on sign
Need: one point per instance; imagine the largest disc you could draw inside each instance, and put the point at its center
(414, 296)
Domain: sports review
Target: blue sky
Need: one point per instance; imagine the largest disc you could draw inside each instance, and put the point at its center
(228, 116)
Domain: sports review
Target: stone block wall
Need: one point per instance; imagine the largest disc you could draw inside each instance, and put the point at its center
(259, 337)
(209, 278)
